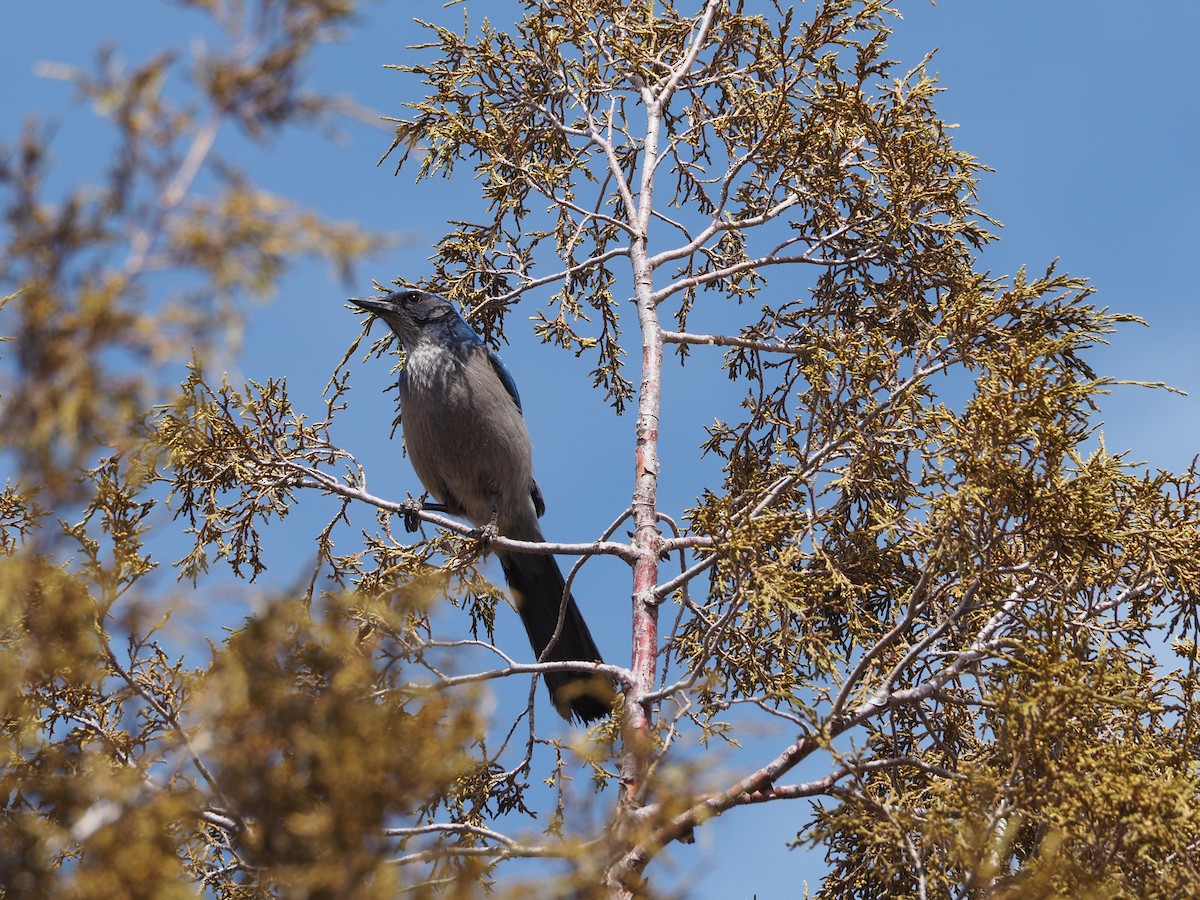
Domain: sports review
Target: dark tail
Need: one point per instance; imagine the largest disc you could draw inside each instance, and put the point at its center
(537, 585)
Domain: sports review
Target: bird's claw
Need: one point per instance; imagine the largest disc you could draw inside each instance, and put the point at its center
(409, 509)
(489, 532)
(486, 534)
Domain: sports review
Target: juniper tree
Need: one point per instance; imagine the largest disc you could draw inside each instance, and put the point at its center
(917, 567)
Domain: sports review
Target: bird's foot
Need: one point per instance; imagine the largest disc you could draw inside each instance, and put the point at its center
(486, 535)
(409, 509)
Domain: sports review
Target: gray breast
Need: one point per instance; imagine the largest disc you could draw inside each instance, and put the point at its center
(466, 438)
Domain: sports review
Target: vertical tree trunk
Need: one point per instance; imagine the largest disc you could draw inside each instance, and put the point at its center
(647, 540)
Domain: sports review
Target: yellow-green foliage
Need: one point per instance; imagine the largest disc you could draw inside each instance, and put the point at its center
(909, 564)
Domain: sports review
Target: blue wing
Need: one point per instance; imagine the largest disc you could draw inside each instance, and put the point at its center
(539, 504)
(505, 378)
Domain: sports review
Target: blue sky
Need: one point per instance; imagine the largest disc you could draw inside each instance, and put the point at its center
(1086, 110)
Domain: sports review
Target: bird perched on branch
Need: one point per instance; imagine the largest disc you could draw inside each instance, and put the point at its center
(468, 443)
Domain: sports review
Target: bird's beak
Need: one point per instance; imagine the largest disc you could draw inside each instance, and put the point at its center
(375, 305)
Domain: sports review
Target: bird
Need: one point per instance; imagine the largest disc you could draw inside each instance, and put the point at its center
(468, 443)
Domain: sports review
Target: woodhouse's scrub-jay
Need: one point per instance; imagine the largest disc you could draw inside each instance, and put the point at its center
(468, 443)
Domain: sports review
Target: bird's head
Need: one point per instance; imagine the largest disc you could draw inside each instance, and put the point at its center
(412, 314)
